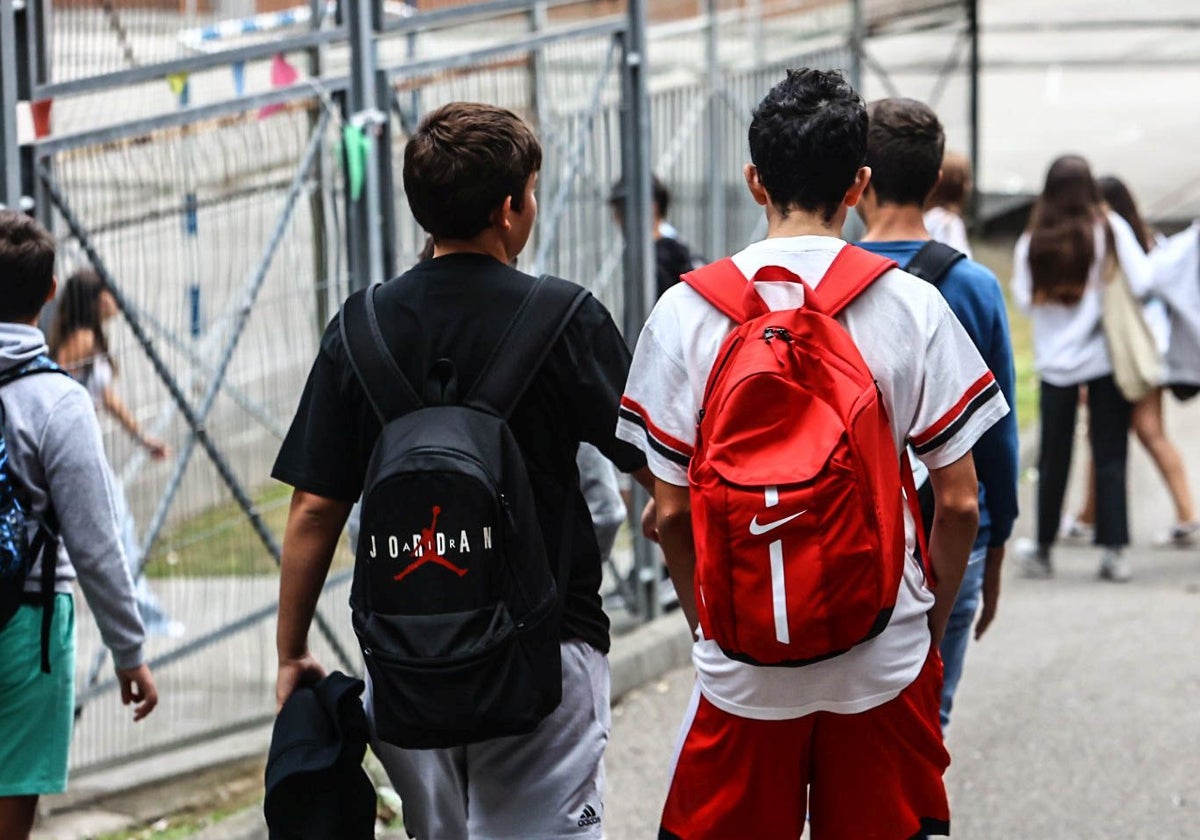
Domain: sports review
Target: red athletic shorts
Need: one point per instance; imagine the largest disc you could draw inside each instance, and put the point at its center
(876, 775)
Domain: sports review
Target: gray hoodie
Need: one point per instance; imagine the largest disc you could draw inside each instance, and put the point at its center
(55, 447)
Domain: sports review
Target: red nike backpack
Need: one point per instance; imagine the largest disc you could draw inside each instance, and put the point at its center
(796, 496)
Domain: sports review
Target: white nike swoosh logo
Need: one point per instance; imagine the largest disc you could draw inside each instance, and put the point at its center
(758, 530)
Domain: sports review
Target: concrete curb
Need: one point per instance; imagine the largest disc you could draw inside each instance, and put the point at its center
(118, 800)
(644, 655)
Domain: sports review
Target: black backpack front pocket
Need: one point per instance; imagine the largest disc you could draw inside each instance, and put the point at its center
(456, 678)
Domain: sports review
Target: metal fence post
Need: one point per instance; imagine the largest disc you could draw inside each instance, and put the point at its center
(639, 260)
(857, 36)
(33, 68)
(715, 175)
(364, 231)
(973, 105)
(10, 156)
(316, 200)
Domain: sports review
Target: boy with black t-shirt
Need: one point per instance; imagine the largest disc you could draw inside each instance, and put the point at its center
(469, 174)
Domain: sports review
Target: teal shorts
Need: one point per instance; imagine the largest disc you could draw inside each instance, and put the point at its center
(37, 710)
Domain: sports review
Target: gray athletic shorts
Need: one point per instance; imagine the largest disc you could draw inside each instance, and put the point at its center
(546, 785)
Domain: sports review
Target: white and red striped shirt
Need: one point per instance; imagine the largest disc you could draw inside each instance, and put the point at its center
(939, 395)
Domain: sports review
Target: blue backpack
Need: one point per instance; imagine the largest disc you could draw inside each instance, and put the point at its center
(18, 553)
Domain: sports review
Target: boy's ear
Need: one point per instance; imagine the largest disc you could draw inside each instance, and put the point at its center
(754, 184)
(862, 180)
(53, 290)
(941, 174)
(502, 215)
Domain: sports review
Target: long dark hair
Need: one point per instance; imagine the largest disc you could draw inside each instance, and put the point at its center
(1120, 199)
(79, 309)
(1062, 231)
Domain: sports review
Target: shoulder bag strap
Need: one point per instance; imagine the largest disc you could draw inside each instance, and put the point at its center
(933, 262)
(723, 285)
(527, 341)
(852, 271)
(387, 388)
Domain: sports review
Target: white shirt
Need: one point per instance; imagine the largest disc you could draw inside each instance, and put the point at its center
(947, 228)
(1068, 341)
(1176, 266)
(938, 393)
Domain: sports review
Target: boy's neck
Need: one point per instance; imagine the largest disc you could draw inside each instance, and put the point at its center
(803, 223)
(486, 243)
(896, 223)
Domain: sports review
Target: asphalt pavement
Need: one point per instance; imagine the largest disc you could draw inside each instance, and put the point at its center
(1078, 717)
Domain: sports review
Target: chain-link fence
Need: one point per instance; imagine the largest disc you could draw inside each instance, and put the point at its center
(206, 158)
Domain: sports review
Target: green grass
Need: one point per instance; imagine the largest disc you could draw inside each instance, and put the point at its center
(176, 826)
(221, 541)
(997, 255)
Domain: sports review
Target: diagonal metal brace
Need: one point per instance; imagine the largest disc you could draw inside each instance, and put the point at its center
(234, 334)
(195, 421)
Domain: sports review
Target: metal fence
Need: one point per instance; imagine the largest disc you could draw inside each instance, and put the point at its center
(214, 171)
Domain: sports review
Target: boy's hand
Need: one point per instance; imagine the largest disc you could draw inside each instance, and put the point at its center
(137, 687)
(293, 674)
(991, 590)
(650, 521)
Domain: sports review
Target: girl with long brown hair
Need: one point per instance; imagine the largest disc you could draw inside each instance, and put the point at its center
(1148, 412)
(1059, 268)
(79, 343)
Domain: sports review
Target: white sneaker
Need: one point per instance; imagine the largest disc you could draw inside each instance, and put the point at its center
(1075, 531)
(1114, 566)
(1181, 535)
(1033, 560)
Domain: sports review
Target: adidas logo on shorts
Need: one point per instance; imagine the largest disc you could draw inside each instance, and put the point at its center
(588, 817)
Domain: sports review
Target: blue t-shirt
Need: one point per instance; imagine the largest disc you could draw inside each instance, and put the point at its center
(974, 295)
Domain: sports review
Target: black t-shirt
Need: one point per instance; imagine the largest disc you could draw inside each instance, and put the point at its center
(456, 307)
(672, 259)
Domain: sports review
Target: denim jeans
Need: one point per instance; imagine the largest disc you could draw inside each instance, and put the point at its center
(958, 630)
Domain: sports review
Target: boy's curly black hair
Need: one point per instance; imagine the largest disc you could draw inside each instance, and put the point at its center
(808, 139)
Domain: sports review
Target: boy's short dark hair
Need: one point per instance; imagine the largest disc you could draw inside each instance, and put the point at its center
(461, 163)
(26, 266)
(904, 150)
(808, 138)
(658, 192)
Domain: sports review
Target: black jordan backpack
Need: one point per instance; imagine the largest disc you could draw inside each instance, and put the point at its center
(454, 600)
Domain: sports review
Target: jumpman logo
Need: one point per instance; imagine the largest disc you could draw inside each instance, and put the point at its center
(425, 551)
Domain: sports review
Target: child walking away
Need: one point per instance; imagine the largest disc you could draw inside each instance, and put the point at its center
(1147, 416)
(55, 485)
(1059, 267)
(793, 554)
(904, 148)
(79, 343)
(453, 399)
(1176, 265)
(947, 203)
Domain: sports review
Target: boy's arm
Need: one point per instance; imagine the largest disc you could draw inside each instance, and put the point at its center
(81, 488)
(673, 519)
(955, 523)
(313, 527)
(80, 485)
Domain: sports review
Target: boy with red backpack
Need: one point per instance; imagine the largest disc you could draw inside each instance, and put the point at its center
(772, 393)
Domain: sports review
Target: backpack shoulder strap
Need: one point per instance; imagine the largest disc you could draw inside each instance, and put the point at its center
(852, 271)
(527, 340)
(387, 388)
(44, 545)
(933, 262)
(38, 364)
(723, 285)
